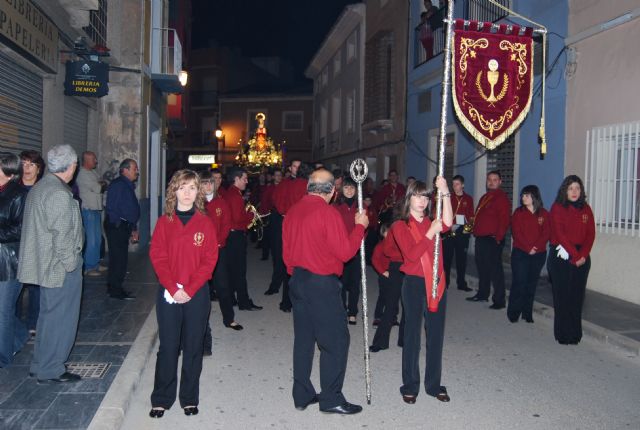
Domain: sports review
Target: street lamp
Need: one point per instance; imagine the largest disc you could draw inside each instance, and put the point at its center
(218, 133)
(183, 77)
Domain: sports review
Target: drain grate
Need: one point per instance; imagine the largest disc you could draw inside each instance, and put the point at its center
(89, 370)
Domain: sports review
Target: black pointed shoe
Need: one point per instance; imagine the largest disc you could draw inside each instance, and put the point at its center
(344, 409)
(156, 413)
(476, 299)
(313, 401)
(191, 410)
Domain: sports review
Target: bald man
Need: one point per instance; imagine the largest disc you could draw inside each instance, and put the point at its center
(315, 247)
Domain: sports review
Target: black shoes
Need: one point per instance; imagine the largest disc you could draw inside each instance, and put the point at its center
(376, 348)
(271, 292)
(497, 306)
(476, 299)
(344, 409)
(191, 410)
(465, 288)
(235, 326)
(313, 401)
(156, 413)
(408, 398)
(122, 296)
(528, 319)
(353, 320)
(65, 377)
(376, 322)
(442, 395)
(285, 308)
(252, 306)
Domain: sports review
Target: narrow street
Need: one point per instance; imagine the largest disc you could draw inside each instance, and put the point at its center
(499, 375)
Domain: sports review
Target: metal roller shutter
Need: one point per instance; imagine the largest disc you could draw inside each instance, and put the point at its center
(75, 124)
(20, 107)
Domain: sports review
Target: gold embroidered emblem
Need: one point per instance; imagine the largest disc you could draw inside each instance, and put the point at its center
(540, 220)
(585, 218)
(218, 212)
(198, 239)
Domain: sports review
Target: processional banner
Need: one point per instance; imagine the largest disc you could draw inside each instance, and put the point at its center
(492, 79)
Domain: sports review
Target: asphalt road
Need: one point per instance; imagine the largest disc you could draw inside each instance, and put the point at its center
(499, 376)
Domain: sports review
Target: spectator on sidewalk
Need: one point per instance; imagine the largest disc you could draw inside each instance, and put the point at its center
(13, 333)
(457, 242)
(90, 188)
(32, 171)
(573, 232)
(530, 229)
(184, 251)
(121, 225)
(50, 256)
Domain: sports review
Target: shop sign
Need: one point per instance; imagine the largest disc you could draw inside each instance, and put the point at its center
(28, 29)
(86, 79)
(202, 159)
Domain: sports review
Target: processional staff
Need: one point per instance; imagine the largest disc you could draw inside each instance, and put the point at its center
(359, 171)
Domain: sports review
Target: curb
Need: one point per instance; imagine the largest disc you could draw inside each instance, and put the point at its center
(113, 408)
(589, 329)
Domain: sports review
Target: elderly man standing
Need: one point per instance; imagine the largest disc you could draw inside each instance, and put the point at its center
(123, 213)
(91, 188)
(50, 256)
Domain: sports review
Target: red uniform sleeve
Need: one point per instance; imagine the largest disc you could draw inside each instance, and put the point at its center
(468, 213)
(225, 223)
(279, 196)
(343, 245)
(266, 199)
(410, 250)
(545, 233)
(239, 216)
(558, 226)
(159, 255)
(518, 231)
(379, 261)
(504, 216)
(590, 234)
(208, 259)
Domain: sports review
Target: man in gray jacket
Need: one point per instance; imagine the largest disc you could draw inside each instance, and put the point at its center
(50, 256)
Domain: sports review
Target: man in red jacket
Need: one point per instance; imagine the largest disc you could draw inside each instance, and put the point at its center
(457, 243)
(491, 222)
(237, 239)
(315, 247)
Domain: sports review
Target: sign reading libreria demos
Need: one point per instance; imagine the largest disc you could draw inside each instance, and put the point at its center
(27, 28)
(86, 79)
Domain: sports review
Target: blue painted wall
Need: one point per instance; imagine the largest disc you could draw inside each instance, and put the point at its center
(547, 173)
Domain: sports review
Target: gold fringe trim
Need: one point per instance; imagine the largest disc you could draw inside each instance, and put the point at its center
(471, 128)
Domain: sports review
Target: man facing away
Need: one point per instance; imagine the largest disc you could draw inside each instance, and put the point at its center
(91, 189)
(123, 213)
(50, 256)
(315, 247)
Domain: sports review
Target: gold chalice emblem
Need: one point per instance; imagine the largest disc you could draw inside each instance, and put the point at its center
(493, 75)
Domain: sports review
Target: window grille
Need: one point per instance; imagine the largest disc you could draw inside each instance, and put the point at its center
(612, 180)
(97, 28)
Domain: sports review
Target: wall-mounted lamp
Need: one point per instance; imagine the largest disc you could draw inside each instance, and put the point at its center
(218, 133)
(183, 77)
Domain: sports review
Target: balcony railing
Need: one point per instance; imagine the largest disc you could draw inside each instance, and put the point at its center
(429, 38)
(482, 10)
(166, 59)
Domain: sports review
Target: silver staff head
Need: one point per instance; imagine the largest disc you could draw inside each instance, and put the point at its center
(359, 170)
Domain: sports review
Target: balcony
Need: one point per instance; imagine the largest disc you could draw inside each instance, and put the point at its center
(166, 60)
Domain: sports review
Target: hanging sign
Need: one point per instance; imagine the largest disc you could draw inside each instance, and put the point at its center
(86, 79)
(492, 80)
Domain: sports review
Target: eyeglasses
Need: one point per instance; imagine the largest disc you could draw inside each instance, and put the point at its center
(29, 164)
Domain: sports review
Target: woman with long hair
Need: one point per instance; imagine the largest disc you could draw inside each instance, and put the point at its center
(415, 236)
(530, 229)
(573, 232)
(184, 251)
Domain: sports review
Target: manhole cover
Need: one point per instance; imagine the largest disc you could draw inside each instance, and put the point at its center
(89, 370)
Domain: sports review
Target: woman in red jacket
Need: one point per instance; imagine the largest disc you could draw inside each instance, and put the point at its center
(573, 232)
(415, 236)
(184, 251)
(530, 229)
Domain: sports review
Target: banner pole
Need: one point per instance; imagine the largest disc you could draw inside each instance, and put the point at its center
(446, 84)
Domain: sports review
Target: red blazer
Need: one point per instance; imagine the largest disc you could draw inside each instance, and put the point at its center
(240, 218)
(289, 192)
(530, 229)
(462, 205)
(184, 254)
(412, 251)
(390, 248)
(266, 199)
(572, 227)
(388, 191)
(218, 211)
(492, 215)
(315, 238)
(348, 214)
(379, 261)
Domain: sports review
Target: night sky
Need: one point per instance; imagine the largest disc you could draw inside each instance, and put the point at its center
(293, 29)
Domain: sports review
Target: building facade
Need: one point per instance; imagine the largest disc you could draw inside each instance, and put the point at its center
(337, 70)
(603, 135)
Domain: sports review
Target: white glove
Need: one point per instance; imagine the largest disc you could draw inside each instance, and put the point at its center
(562, 253)
(168, 297)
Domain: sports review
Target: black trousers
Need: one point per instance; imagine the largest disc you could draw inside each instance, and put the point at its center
(525, 269)
(351, 277)
(415, 312)
(265, 243)
(180, 326)
(370, 242)
(490, 270)
(568, 283)
(237, 257)
(318, 318)
(279, 275)
(390, 289)
(457, 245)
(220, 284)
(118, 240)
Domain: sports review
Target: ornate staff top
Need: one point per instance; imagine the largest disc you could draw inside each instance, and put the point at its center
(359, 170)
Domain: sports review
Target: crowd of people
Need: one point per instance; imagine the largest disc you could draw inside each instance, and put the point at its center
(51, 237)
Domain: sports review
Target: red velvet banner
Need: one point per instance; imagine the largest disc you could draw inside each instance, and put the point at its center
(492, 80)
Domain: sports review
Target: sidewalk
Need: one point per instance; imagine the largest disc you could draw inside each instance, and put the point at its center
(604, 318)
(107, 330)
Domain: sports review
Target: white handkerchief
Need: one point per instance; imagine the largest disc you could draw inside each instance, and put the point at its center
(167, 296)
(460, 219)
